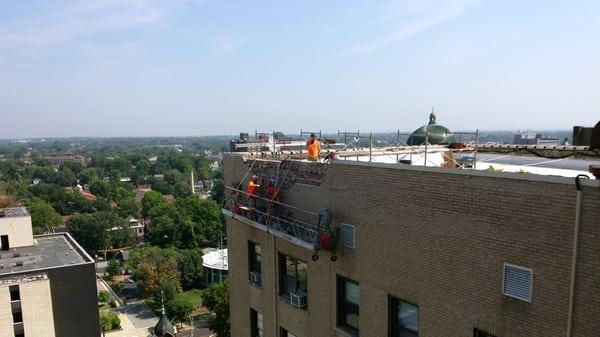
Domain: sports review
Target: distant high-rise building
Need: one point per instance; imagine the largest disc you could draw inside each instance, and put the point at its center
(47, 282)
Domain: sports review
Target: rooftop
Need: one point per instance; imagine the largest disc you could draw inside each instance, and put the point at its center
(216, 259)
(48, 251)
(13, 212)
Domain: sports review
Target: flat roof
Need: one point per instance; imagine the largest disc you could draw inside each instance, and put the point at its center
(13, 212)
(48, 251)
(216, 260)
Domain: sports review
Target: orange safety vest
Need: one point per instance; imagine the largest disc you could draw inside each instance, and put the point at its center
(252, 189)
(314, 149)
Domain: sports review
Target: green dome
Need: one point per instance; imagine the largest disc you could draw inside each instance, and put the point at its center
(436, 134)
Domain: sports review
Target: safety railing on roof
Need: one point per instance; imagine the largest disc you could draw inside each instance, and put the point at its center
(276, 217)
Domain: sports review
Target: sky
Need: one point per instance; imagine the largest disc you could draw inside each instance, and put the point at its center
(207, 67)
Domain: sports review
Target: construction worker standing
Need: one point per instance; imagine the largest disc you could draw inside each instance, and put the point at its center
(314, 148)
(252, 191)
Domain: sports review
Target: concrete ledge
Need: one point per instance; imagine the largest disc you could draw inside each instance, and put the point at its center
(475, 173)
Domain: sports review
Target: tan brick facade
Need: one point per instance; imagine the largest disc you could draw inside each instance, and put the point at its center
(436, 238)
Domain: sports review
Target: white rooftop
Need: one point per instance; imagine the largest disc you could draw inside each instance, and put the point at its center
(216, 260)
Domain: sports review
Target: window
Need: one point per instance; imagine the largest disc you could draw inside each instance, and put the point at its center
(293, 276)
(517, 282)
(347, 235)
(256, 323)
(19, 330)
(17, 317)
(285, 333)
(481, 333)
(15, 295)
(404, 318)
(254, 262)
(348, 305)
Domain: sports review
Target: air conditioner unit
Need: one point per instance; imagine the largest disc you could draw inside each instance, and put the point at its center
(298, 299)
(255, 277)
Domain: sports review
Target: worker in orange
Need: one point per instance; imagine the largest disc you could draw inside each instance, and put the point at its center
(272, 191)
(252, 191)
(314, 148)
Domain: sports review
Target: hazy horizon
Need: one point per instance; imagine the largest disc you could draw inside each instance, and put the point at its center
(150, 68)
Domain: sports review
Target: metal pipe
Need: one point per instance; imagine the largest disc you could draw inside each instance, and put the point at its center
(476, 146)
(426, 141)
(574, 254)
(370, 145)
(273, 201)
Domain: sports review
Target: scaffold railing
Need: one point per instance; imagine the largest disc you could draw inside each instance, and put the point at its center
(275, 216)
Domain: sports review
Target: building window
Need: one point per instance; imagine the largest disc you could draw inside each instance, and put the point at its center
(285, 333)
(293, 276)
(17, 317)
(347, 235)
(255, 262)
(481, 333)
(348, 305)
(15, 295)
(19, 330)
(256, 323)
(404, 318)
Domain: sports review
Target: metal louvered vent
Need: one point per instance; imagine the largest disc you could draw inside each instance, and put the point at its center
(518, 282)
(347, 235)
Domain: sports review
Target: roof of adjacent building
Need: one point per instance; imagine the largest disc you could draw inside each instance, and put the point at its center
(48, 251)
(216, 259)
(13, 212)
(164, 328)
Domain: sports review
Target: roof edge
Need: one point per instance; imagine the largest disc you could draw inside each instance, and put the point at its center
(476, 173)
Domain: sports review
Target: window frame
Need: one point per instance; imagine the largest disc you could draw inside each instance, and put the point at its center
(283, 273)
(481, 333)
(252, 261)
(353, 246)
(341, 309)
(15, 293)
(255, 331)
(283, 332)
(393, 323)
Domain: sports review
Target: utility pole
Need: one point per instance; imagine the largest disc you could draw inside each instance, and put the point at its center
(192, 324)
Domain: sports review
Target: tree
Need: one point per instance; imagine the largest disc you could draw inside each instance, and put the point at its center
(150, 201)
(216, 299)
(179, 308)
(65, 177)
(155, 267)
(113, 268)
(109, 320)
(218, 191)
(89, 232)
(103, 296)
(43, 215)
(190, 266)
(99, 231)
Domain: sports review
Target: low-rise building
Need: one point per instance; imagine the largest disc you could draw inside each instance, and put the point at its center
(47, 282)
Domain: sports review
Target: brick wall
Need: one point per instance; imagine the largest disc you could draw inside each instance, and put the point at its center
(436, 239)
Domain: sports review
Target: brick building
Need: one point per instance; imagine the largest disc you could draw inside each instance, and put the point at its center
(47, 282)
(421, 251)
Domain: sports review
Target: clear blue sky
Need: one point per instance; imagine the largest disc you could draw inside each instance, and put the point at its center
(161, 67)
